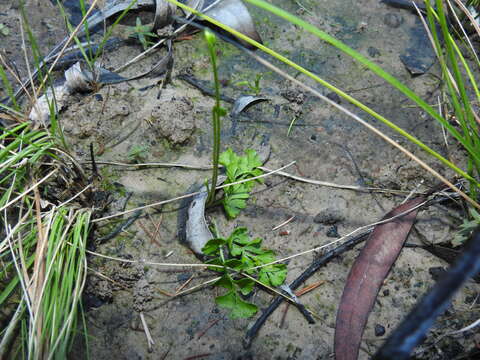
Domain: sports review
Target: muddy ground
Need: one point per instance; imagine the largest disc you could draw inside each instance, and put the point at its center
(141, 122)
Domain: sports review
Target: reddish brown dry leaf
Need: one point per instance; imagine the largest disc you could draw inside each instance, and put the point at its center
(366, 277)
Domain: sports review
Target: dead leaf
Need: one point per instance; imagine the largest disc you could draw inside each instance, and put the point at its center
(366, 277)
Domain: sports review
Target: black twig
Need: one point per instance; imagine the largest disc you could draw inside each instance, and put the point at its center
(124, 225)
(95, 173)
(316, 264)
(413, 329)
(203, 87)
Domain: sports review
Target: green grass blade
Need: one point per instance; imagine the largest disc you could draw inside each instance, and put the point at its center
(9, 90)
(378, 71)
(357, 103)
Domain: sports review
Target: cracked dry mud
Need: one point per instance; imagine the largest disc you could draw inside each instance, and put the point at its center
(173, 125)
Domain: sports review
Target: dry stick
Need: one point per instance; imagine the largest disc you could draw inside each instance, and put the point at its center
(329, 184)
(281, 173)
(74, 162)
(413, 328)
(188, 195)
(184, 284)
(149, 234)
(283, 223)
(38, 276)
(148, 262)
(105, 277)
(150, 341)
(121, 227)
(76, 195)
(204, 331)
(472, 20)
(364, 227)
(180, 165)
(303, 310)
(189, 290)
(166, 293)
(18, 80)
(157, 227)
(252, 332)
(299, 293)
(176, 32)
(284, 315)
(34, 186)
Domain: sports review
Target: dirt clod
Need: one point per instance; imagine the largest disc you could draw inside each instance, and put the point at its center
(175, 119)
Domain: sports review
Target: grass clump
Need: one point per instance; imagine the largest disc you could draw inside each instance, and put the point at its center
(42, 250)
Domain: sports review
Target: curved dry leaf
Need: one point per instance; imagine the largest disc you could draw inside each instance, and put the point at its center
(235, 14)
(197, 232)
(366, 277)
(245, 101)
(77, 79)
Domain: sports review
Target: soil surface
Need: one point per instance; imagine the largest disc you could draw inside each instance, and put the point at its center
(148, 121)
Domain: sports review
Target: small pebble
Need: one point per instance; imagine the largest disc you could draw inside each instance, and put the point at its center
(183, 277)
(373, 52)
(334, 97)
(328, 216)
(333, 232)
(436, 272)
(379, 330)
(393, 20)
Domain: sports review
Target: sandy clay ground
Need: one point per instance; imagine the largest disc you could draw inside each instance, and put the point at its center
(140, 122)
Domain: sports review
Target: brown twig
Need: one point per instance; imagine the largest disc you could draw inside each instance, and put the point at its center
(197, 356)
(212, 323)
(183, 285)
(149, 234)
(309, 288)
(299, 293)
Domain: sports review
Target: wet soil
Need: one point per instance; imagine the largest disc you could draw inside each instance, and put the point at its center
(140, 121)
